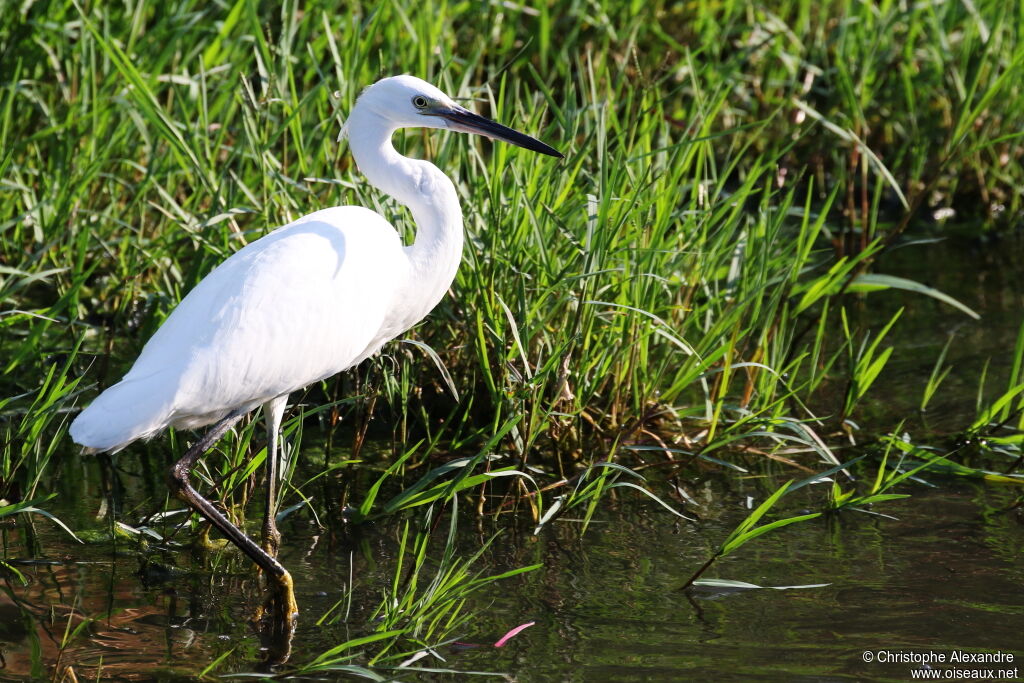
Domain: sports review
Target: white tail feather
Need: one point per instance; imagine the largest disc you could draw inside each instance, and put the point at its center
(128, 411)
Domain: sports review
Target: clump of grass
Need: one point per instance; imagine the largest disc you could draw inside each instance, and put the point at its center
(749, 529)
(423, 607)
(32, 435)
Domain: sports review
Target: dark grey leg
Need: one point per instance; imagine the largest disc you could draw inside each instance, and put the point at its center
(285, 609)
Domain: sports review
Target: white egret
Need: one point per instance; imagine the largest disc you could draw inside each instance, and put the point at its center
(309, 300)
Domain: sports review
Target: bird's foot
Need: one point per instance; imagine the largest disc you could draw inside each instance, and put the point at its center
(204, 542)
(284, 599)
(276, 619)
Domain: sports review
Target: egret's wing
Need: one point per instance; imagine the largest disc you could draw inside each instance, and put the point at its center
(298, 305)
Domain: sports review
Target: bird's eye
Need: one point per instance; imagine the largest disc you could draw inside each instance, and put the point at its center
(420, 102)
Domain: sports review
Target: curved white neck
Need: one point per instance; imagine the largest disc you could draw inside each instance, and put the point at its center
(435, 253)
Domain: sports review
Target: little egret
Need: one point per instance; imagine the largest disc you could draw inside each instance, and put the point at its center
(308, 300)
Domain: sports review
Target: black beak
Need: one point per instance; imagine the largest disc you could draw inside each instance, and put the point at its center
(466, 121)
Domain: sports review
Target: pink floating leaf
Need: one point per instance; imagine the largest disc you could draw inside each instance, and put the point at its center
(514, 632)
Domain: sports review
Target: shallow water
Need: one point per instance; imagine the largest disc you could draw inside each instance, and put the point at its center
(945, 575)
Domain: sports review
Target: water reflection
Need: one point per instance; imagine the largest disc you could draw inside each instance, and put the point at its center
(945, 575)
(101, 621)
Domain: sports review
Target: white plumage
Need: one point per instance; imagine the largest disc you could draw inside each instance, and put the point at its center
(303, 303)
(310, 299)
(307, 301)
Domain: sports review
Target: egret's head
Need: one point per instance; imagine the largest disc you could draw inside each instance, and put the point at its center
(409, 102)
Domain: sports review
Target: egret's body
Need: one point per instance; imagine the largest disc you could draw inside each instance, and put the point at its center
(309, 300)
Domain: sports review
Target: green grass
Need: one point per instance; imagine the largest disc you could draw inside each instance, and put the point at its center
(142, 149)
(678, 287)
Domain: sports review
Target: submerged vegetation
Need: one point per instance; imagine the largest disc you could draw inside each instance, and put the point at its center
(683, 293)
